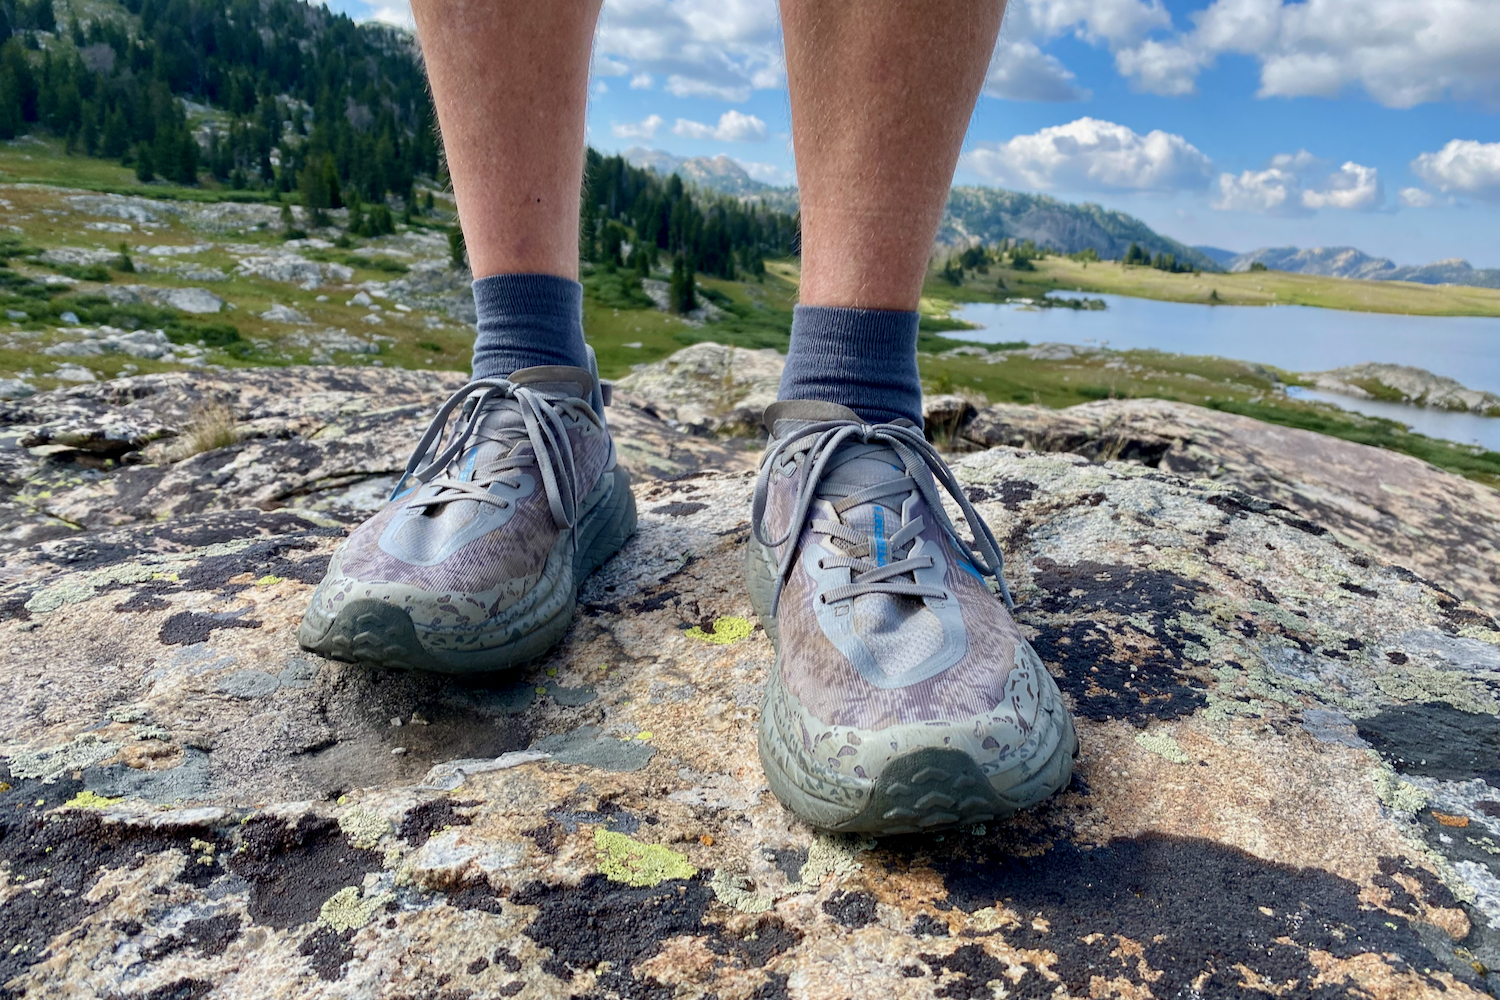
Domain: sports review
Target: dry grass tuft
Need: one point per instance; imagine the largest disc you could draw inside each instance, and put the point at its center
(211, 426)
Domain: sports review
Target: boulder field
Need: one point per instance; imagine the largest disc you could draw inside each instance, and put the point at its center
(1281, 650)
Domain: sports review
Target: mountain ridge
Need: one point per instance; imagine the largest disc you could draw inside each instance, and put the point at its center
(1351, 262)
(989, 214)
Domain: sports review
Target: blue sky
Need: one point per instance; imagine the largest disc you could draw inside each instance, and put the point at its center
(1235, 123)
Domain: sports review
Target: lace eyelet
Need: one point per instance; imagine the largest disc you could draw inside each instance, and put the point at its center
(820, 564)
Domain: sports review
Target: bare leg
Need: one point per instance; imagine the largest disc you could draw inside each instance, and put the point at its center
(881, 94)
(510, 80)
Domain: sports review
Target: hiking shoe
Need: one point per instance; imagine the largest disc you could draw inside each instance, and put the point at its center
(475, 562)
(904, 697)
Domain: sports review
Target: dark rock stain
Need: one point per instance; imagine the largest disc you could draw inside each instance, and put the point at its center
(927, 926)
(422, 821)
(680, 508)
(1194, 906)
(852, 909)
(1112, 668)
(292, 870)
(768, 938)
(603, 921)
(66, 851)
(328, 951)
(1436, 741)
(208, 935)
(182, 989)
(774, 988)
(188, 627)
(974, 969)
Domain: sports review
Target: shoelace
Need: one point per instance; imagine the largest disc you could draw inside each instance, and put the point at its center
(923, 465)
(551, 453)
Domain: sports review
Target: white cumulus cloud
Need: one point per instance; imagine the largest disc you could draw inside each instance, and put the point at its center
(1272, 191)
(1401, 53)
(1092, 155)
(1463, 166)
(643, 129)
(1417, 198)
(722, 49)
(1019, 71)
(1289, 186)
(1352, 186)
(733, 127)
(641, 81)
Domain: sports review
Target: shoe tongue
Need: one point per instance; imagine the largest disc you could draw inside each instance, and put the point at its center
(867, 468)
(556, 381)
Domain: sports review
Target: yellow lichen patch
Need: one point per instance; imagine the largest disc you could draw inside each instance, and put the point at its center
(727, 629)
(363, 827)
(624, 860)
(347, 909)
(1163, 746)
(269, 580)
(89, 800)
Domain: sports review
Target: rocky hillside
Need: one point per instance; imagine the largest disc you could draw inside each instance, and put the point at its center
(1405, 384)
(1289, 729)
(1347, 262)
(993, 214)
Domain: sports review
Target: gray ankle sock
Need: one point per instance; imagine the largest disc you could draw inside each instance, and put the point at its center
(865, 359)
(526, 320)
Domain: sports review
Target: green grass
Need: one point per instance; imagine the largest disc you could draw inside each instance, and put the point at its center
(626, 330)
(1252, 288)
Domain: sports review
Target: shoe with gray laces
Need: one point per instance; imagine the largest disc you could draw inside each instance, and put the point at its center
(904, 697)
(475, 562)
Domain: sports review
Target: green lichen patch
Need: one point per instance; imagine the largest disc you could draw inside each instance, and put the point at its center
(1424, 684)
(622, 859)
(1398, 795)
(1163, 746)
(363, 827)
(733, 888)
(50, 763)
(348, 909)
(727, 629)
(831, 854)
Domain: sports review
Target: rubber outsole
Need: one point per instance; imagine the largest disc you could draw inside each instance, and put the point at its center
(925, 789)
(380, 634)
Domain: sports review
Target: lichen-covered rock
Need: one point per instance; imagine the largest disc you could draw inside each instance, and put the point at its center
(1288, 782)
(709, 388)
(1393, 507)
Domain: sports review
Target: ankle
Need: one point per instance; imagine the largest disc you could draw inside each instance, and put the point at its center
(865, 359)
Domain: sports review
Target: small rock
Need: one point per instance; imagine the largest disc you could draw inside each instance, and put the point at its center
(279, 313)
(398, 751)
(69, 317)
(14, 388)
(361, 299)
(74, 373)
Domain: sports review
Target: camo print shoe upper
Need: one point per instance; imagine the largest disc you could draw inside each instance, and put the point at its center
(474, 564)
(904, 696)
